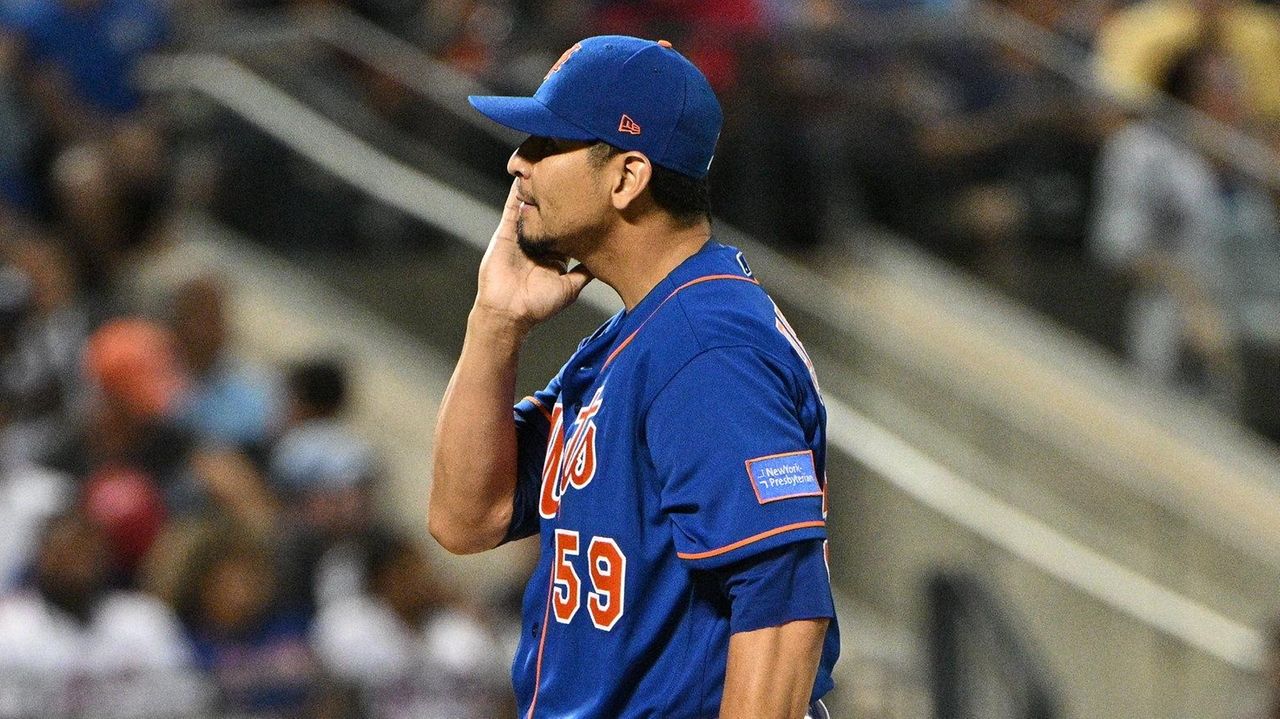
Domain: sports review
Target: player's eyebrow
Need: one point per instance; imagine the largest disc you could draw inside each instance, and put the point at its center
(536, 147)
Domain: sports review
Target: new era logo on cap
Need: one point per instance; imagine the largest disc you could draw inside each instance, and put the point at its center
(628, 126)
(631, 93)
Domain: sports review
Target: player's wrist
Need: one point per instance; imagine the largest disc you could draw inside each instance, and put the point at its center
(497, 328)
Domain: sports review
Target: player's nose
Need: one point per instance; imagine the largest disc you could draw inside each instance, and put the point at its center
(518, 165)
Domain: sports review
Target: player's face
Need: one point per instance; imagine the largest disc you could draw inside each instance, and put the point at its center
(565, 199)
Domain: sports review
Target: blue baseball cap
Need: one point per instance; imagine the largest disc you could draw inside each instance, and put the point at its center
(633, 94)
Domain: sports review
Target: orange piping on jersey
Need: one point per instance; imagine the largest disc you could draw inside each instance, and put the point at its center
(541, 407)
(542, 642)
(632, 336)
(749, 540)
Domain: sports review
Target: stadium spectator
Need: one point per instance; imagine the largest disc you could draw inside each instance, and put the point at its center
(102, 156)
(234, 486)
(127, 508)
(326, 476)
(17, 192)
(167, 563)
(1189, 234)
(469, 35)
(71, 645)
(85, 54)
(256, 653)
(40, 369)
(711, 34)
(29, 390)
(29, 496)
(1137, 43)
(318, 453)
(132, 363)
(1014, 158)
(411, 651)
(136, 379)
(229, 402)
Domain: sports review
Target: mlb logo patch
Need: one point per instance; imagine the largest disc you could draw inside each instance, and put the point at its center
(783, 476)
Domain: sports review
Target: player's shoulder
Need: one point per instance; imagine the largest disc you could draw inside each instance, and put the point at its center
(712, 302)
(723, 304)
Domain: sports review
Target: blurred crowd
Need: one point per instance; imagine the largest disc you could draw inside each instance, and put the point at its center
(1041, 145)
(1037, 144)
(182, 531)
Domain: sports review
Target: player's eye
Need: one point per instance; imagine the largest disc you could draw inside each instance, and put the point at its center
(535, 148)
(555, 147)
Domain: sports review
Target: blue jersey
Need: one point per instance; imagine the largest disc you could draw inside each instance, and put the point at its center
(681, 438)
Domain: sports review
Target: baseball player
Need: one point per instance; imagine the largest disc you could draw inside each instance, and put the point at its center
(674, 469)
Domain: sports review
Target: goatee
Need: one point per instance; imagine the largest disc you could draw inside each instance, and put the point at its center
(541, 251)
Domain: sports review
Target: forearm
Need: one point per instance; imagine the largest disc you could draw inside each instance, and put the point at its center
(474, 475)
(771, 671)
(474, 481)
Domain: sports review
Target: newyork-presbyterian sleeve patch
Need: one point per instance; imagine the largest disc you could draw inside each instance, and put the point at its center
(783, 476)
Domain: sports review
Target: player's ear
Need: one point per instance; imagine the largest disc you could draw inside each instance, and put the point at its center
(630, 180)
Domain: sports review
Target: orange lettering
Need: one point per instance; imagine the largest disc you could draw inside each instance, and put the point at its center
(563, 59)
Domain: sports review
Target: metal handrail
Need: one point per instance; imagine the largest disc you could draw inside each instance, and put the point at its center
(995, 23)
(353, 160)
(1070, 61)
(984, 19)
(959, 603)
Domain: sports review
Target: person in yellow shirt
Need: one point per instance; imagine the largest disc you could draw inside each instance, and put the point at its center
(1135, 45)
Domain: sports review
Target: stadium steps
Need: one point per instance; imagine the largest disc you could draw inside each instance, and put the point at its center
(1060, 431)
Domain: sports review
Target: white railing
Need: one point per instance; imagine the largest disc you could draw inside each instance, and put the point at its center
(988, 20)
(350, 158)
(1002, 25)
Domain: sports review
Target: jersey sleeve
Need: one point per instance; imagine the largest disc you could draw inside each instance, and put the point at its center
(731, 436)
(533, 427)
(785, 584)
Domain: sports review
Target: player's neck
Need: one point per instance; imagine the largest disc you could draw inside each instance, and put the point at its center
(638, 259)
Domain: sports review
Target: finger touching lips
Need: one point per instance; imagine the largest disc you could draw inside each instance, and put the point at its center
(522, 198)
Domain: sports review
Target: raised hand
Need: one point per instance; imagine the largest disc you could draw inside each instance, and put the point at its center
(513, 287)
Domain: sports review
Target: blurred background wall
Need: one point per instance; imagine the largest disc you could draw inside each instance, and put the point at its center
(1032, 247)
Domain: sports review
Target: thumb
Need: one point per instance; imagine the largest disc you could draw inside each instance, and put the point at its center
(577, 278)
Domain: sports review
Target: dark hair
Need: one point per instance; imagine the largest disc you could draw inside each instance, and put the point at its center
(1184, 73)
(320, 385)
(383, 549)
(687, 199)
(221, 544)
